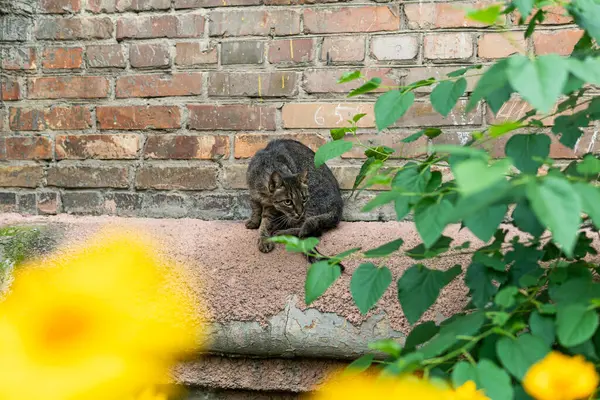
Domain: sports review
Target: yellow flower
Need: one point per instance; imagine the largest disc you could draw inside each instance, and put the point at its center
(560, 377)
(468, 391)
(98, 323)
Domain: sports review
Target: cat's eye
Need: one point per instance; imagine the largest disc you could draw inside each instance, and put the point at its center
(287, 202)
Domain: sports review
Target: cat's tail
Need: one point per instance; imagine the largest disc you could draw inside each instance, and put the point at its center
(313, 259)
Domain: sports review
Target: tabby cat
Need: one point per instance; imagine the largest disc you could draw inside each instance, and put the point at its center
(289, 195)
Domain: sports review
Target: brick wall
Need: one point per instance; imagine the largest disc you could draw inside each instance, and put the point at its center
(153, 107)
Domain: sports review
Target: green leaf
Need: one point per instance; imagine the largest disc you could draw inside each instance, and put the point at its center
(462, 373)
(494, 260)
(484, 223)
(461, 325)
(434, 182)
(364, 170)
(586, 14)
(369, 86)
(339, 133)
(524, 149)
(294, 244)
(391, 106)
(479, 280)
(349, 76)
(420, 334)
(505, 298)
(587, 70)
(462, 71)
(590, 200)
(410, 180)
(368, 284)
(569, 128)
(388, 346)
(381, 199)
(421, 83)
(319, 278)
(420, 252)
(503, 128)
(589, 166)
(419, 287)
(575, 324)
(539, 81)
(379, 152)
(384, 250)
(519, 355)
(358, 117)
(431, 218)
(474, 175)
(488, 16)
(558, 207)
(498, 97)
(525, 219)
(542, 327)
(494, 381)
(360, 364)
(401, 207)
(445, 95)
(331, 150)
(495, 78)
(524, 7)
(414, 137)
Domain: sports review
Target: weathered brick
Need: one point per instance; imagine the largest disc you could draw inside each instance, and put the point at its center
(149, 55)
(253, 84)
(102, 147)
(26, 203)
(500, 45)
(163, 26)
(183, 4)
(54, 118)
(516, 108)
(164, 177)
(195, 53)
(343, 49)
(325, 80)
(59, 6)
(234, 176)
(393, 140)
(28, 148)
(555, 15)
(422, 114)
(68, 87)
(291, 51)
(395, 47)
(179, 147)
(214, 206)
(297, 2)
(123, 204)
(254, 23)
(170, 205)
(561, 42)
(48, 203)
(326, 115)
(247, 52)
(8, 202)
(19, 58)
(443, 15)
(448, 46)
(438, 72)
(246, 145)
(20, 175)
(74, 28)
(16, 28)
(138, 117)
(110, 6)
(352, 19)
(176, 84)
(105, 56)
(83, 203)
(10, 89)
(63, 58)
(234, 117)
(86, 176)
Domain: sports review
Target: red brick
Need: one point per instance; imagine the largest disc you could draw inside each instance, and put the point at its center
(344, 49)
(352, 19)
(54, 118)
(325, 80)
(561, 42)
(448, 46)
(555, 15)
(10, 90)
(20, 175)
(442, 15)
(102, 147)
(105, 56)
(395, 47)
(192, 54)
(19, 58)
(246, 145)
(234, 176)
(242, 52)
(297, 2)
(183, 4)
(87, 176)
(101, 6)
(500, 45)
(74, 28)
(48, 203)
(28, 148)
(291, 51)
(235, 117)
(422, 114)
(138, 117)
(110, 6)
(60, 6)
(149, 55)
(176, 84)
(163, 26)
(326, 115)
(68, 87)
(254, 23)
(394, 140)
(164, 177)
(253, 84)
(516, 108)
(178, 147)
(63, 58)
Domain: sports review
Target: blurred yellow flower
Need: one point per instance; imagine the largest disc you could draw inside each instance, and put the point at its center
(468, 391)
(98, 323)
(560, 377)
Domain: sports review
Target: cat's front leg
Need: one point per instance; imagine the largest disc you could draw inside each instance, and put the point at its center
(264, 232)
(288, 232)
(256, 217)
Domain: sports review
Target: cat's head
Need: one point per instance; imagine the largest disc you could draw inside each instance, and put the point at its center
(289, 193)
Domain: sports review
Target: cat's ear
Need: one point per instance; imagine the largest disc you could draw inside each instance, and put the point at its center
(303, 177)
(275, 181)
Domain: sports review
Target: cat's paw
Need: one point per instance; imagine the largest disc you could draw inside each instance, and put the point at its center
(252, 224)
(265, 246)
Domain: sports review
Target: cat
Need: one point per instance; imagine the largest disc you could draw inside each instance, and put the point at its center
(290, 196)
